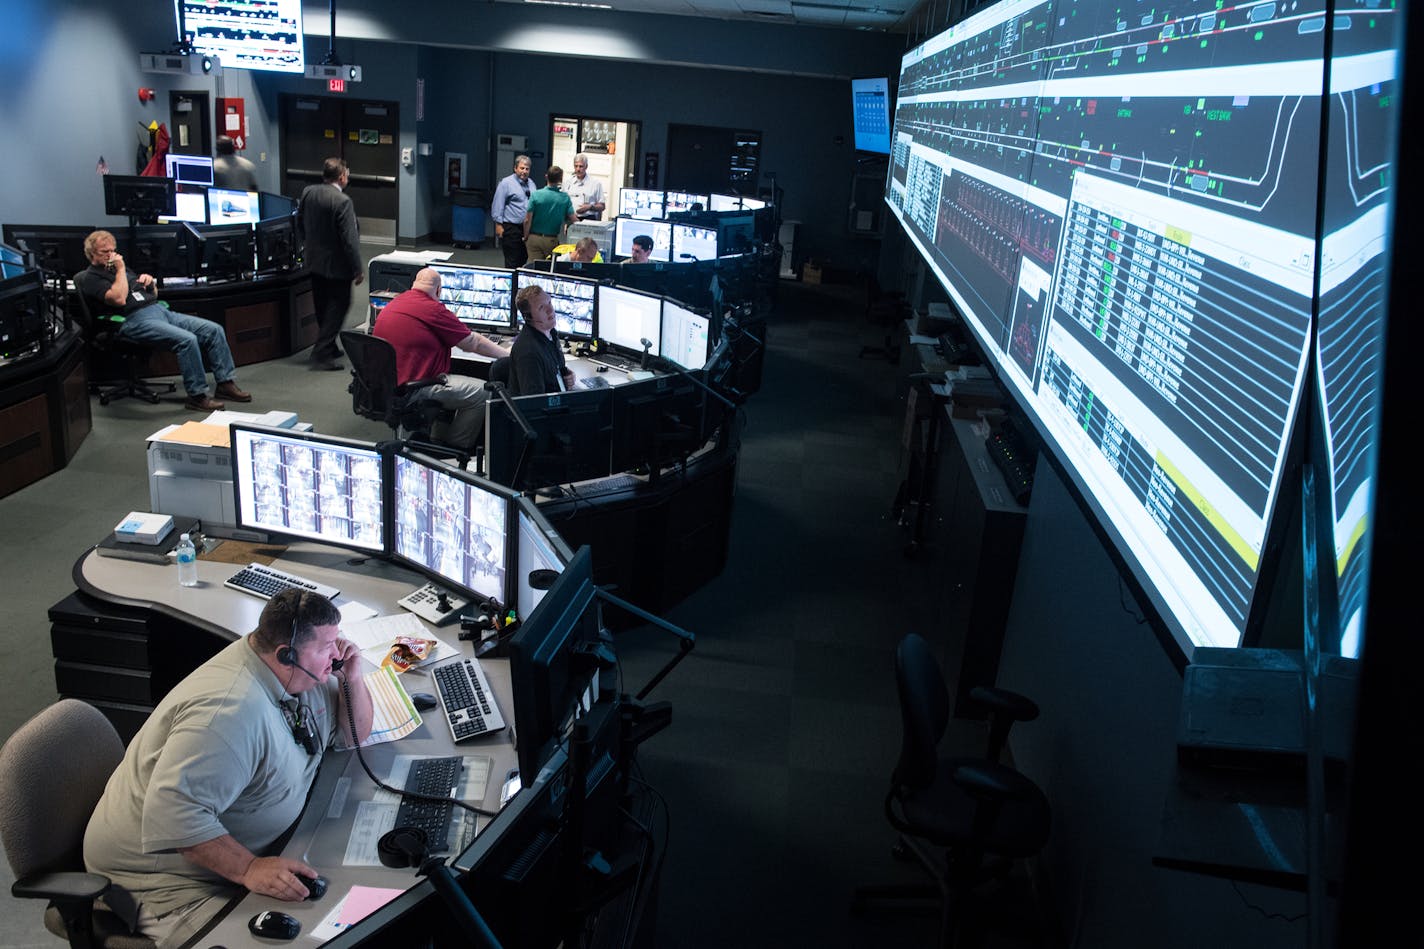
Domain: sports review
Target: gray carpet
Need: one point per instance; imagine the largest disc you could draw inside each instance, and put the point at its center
(785, 727)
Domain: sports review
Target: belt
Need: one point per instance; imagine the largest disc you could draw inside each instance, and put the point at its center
(537, 234)
(519, 224)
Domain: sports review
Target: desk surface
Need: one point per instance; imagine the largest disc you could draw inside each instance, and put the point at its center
(342, 786)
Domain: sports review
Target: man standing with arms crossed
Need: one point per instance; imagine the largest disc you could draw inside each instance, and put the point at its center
(586, 193)
(326, 222)
(511, 201)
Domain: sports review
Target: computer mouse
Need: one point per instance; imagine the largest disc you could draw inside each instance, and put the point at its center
(271, 924)
(424, 701)
(316, 886)
(601, 369)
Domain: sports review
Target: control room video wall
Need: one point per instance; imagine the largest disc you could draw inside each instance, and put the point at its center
(1122, 203)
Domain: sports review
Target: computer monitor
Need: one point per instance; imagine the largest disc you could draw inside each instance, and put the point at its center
(276, 242)
(691, 242)
(683, 201)
(540, 549)
(189, 169)
(13, 261)
(58, 249)
(736, 233)
(451, 525)
(553, 666)
(627, 317)
(224, 250)
(310, 487)
(871, 108)
(636, 202)
(576, 268)
(482, 297)
(23, 313)
(574, 301)
(627, 228)
(656, 422)
(233, 207)
(275, 205)
(733, 202)
(686, 335)
(573, 432)
(164, 250)
(190, 203)
(143, 197)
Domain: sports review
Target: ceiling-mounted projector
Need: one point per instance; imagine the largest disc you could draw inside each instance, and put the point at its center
(325, 71)
(180, 64)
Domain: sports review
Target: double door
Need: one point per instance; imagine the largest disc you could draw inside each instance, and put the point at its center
(366, 133)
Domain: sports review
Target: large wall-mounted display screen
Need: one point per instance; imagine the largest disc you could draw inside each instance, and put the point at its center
(1123, 208)
(246, 34)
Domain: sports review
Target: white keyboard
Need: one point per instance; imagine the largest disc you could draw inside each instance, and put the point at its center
(266, 582)
(425, 603)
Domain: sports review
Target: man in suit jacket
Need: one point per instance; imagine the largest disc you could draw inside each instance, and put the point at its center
(326, 222)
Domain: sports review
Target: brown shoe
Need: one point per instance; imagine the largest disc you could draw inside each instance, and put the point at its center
(229, 390)
(203, 403)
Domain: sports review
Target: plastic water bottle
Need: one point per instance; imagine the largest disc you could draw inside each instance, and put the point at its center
(187, 556)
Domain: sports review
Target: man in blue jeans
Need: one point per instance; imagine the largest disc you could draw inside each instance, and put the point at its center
(107, 288)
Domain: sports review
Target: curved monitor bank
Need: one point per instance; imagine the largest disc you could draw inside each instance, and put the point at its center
(567, 855)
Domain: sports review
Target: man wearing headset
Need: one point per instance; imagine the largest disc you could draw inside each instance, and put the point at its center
(222, 768)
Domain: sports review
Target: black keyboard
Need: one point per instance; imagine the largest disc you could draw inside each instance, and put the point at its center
(594, 382)
(438, 777)
(468, 700)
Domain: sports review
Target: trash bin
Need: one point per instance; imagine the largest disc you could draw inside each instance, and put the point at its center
(467, 216)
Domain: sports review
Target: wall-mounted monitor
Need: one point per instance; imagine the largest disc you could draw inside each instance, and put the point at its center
(481, 297)
(1151, 314)
(310, 487)
(686, 335)
(233, 207)
(451, 525)
(637, 202)
(690, 242)
(574, 301)
(58, 249)
(141, 197)
(189, 169)
(190, 203)
(262, 35)
(676, 201)
(870, 114)
(627, 228)
(627, 317)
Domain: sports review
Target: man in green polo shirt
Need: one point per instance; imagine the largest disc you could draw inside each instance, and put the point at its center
(550, 211)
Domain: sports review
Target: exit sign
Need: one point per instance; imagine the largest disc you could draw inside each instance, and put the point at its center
(336, 85)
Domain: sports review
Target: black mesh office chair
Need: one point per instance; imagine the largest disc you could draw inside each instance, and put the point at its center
(110, 350)
(964, 818)
(52, 773)
(407, 409)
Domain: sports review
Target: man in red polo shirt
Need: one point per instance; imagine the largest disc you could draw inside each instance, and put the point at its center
(422, 330)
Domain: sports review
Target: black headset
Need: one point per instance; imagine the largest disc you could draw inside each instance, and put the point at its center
(299, 717)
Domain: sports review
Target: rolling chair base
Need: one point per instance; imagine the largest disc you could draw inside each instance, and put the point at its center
(134, 388)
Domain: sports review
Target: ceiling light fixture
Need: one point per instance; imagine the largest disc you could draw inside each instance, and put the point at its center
(572, 3)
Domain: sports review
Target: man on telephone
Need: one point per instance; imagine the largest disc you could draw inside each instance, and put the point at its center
(223, 767)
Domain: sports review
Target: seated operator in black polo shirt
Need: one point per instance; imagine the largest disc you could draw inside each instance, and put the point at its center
(536, 363)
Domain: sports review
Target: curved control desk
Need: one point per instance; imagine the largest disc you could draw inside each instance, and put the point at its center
(205, 618)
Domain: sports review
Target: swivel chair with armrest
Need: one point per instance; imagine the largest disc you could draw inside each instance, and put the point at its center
(964, 818)
(407, 409)
(52, 773)
(101, 336)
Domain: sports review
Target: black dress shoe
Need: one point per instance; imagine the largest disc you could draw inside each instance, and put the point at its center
(329, 365)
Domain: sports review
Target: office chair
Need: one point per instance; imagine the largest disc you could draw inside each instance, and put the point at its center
(375, 395)
(964, 818)
(887, 308)
(101, 335)
(52, 773)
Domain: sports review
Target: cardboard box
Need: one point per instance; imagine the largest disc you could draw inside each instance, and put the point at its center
(810, 272)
